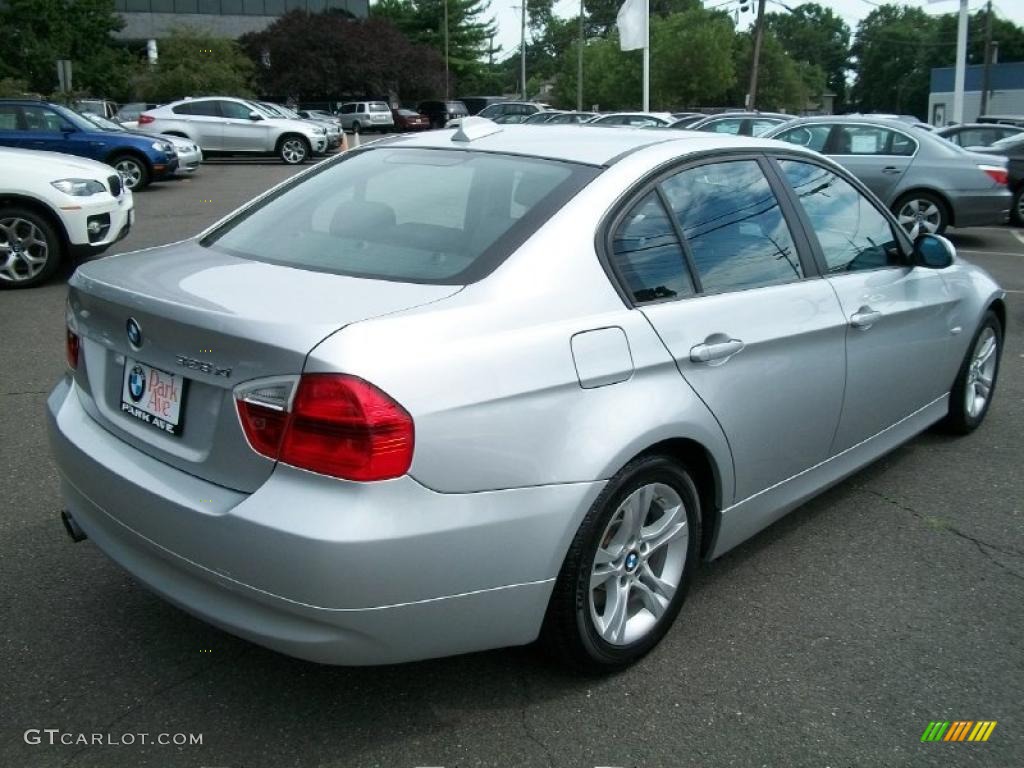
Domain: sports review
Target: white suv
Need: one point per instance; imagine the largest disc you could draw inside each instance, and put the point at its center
(55, 206)
(221, 125)
(366, 116)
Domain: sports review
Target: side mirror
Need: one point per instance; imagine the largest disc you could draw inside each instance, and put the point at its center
(255, 115)
(933, 252)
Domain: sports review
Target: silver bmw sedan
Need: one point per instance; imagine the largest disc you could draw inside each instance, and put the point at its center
(362, 423)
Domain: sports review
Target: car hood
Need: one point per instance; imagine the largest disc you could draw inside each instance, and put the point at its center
(177, 141)
(59, 166)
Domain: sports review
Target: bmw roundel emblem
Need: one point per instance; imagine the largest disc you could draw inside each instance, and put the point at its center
(137, 383)
(134, 333)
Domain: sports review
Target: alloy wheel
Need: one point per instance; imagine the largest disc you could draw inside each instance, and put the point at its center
(130, 171)
(639, 564)
(23, 250)
(919, 217)
(293, 151)
(981, 373)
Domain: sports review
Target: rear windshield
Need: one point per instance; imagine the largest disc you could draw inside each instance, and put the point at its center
(379, 106)
(405, 214)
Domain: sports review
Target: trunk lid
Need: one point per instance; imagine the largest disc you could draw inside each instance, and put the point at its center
(213, 321)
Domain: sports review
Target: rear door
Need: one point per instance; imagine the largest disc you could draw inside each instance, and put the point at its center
(726, 283)
(204, 119)
(900, 320)
(877, 156)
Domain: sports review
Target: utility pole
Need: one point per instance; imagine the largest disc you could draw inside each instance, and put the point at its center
(579, 66)
(758, 34)
(522, 52)
(985, 72)
(447, 94)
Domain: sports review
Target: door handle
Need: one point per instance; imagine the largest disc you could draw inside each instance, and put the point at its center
(892, 169)
(715, 350)
(865, 317)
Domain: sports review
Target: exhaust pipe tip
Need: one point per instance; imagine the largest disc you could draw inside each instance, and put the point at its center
(75, 533)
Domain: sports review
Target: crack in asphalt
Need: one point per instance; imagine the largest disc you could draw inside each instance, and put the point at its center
(26, 392)
(146, 701)
(550, 758)
(984, 547)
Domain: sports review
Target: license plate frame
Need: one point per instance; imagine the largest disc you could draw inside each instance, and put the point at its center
(154, 396)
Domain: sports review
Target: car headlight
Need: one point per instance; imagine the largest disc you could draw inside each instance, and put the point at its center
(163, 146)
(79, 187)
(321, 131)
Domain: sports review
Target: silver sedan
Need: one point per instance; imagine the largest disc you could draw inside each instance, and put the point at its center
(928, 182)
(360, 424)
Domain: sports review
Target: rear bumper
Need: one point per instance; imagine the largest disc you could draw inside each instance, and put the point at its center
(981, 209)
(333, 572)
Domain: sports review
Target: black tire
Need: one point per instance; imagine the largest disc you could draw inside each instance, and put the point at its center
(293, 149)
(1017, 209)
(960, 420)
(569, 630)
(356, 127)
(923, 197)
(23, 220)
(133, 170)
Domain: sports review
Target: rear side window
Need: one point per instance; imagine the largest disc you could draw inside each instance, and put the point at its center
(647, 255)
(733, 225)
(853, 234)
(406, 214)
(182, 109)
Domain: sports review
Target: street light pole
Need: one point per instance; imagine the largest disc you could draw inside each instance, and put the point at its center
(447, 94)
(961, 64)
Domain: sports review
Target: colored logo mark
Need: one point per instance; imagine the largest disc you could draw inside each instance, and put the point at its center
(958, 730)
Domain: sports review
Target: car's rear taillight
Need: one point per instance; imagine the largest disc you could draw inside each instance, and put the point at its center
(334, 424)
(72, 342)
(997, 173)
(145, 119)
(72, 347)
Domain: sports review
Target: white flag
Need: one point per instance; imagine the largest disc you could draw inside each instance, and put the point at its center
(632, 22)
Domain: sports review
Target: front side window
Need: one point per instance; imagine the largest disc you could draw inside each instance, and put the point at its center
(232, 110)
(43, 119)
(853, 234)
(647, 255)
(761, 126)
(813, 136)
(370, 216)
(731, 125)
(733, 226)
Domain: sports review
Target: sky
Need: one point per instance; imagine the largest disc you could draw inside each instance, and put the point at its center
(507, 13)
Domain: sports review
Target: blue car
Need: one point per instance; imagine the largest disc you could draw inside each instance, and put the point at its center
(30, 124)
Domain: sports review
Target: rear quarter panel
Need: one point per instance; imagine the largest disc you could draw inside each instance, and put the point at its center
(489, 378)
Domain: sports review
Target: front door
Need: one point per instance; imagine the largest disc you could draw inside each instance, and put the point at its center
(240, 132)
(899, 318)
(761, 345)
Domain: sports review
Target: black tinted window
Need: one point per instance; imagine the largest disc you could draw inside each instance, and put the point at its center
(206, 108)
(647, 255)
(733, 226)
(235, 111)
(182, 109)
(853, 234)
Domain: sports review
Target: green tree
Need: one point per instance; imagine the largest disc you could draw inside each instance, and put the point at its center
(691, 63)
(817, 36)
(782, 83)
(324, 56)
(193, 63)
(891, 50)
(36, 33)
(470, 31)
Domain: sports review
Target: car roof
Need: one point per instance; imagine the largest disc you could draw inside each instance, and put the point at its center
(577, 143)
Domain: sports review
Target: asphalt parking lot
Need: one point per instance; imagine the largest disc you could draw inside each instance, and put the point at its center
(831, 639)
